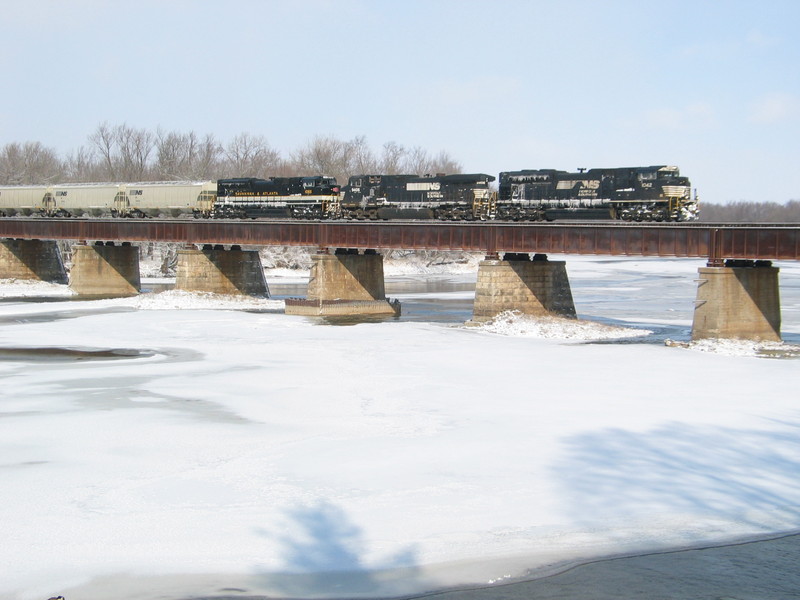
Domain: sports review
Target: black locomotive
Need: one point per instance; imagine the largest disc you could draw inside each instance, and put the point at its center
(656, 193)
(293, 197)
(446, 197)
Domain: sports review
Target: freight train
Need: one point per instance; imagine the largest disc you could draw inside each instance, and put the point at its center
(656, 193)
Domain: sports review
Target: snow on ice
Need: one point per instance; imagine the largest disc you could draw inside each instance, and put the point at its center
(219, 445)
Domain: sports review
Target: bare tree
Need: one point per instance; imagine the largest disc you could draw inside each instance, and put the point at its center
(328, 155)
(250, 156)
(172, 155)
(135, 147)
(393, 159)
(206, 158)
(361, 159)
(397, 159)
(182, 156)
(324, 155)
(29, 163)
(81, 166)
(123, 153)
(443, 163)
(417, 161)
(104, 143)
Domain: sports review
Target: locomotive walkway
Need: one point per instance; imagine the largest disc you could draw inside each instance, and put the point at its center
(737, 295)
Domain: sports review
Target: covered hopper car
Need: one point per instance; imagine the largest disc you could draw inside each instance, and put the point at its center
(150, 199)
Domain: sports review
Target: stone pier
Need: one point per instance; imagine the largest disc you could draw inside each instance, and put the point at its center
(105, 270)
(345, 283)
(31, 259)
(538, 287)
(214, 269)
(738, 301)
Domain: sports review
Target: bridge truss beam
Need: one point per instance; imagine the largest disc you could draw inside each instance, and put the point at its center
(715, 242)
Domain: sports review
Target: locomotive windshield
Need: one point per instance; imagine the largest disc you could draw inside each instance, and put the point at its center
(668, 172)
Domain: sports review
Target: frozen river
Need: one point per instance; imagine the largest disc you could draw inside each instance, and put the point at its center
(176, 445)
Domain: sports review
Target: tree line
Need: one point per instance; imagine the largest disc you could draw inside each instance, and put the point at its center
(751, 212)
(124, 153)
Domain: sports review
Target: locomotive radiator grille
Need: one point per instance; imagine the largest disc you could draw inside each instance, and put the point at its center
(676, 191)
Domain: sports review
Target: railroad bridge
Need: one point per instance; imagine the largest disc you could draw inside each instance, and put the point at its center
(737, 296)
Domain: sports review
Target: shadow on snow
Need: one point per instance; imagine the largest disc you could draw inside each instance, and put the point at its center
(744, 475)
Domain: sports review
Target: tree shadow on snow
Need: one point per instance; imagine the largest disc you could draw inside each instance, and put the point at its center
(322, 552)
(744, 475)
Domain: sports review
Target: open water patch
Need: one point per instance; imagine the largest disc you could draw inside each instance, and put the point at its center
(54, 354)
(47, 317)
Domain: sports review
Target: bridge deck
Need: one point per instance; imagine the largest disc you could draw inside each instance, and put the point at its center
(712, 241)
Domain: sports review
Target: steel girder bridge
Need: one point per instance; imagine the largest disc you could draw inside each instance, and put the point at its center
(715, 242)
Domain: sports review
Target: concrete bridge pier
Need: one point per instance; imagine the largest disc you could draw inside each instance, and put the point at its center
(31, 259)
(738, 301)
(214, 269)
(345, 283)
(537, 287)
(105, 270)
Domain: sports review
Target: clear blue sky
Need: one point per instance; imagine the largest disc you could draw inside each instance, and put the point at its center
(710, 86)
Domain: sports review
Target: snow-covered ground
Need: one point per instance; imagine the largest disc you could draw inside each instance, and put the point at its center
(176, 445)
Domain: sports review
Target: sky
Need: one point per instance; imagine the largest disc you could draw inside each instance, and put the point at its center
(710, 86)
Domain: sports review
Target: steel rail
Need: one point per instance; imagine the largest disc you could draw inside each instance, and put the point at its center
(715, 242)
